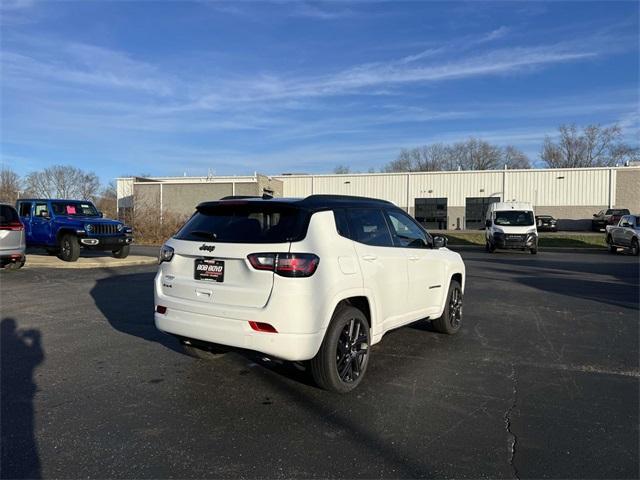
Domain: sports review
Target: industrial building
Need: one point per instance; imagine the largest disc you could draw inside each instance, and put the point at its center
(439, 200)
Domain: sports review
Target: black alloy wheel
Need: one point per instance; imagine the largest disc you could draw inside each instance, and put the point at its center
(352, 351)
(451, 319)
(341, 363)
(455, 307)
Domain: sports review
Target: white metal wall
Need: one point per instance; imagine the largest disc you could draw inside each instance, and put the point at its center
(567, 187)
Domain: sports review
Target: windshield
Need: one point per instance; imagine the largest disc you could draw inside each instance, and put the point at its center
(514, 218)
(74, 209)
(246, 223)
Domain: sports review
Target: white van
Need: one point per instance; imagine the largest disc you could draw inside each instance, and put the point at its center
(511, 225)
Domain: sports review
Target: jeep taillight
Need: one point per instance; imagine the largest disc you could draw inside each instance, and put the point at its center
(14, 226)
(286, 264)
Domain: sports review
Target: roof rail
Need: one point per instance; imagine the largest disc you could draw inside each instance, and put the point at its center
(239, 197)
(343, 198)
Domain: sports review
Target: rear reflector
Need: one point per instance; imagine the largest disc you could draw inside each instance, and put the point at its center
(262, 327)
(160, 309)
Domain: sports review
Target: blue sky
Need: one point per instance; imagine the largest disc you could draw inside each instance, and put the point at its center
(165, 88)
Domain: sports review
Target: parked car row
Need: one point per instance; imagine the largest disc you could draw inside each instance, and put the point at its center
(609, 216)
(62, 227)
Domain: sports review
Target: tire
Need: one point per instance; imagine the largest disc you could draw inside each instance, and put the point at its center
(122, 253)
(341, 363)
(612, 247)
(489, 247)
(451, 318)
(69, 248)
(534, 251)
(203, 351)
(635, 248)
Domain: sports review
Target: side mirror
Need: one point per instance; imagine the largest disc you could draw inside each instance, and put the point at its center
(100, 214)
(487, 223)
(439, 241)
(595, 214)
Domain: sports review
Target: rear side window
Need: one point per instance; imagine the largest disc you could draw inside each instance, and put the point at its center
(368, 226)
(250, 222)
(8, 215)
(25, 209)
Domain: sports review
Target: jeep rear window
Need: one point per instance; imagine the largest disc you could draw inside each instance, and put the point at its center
(249, 222)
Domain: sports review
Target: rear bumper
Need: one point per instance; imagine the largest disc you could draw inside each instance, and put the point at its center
(238, 333)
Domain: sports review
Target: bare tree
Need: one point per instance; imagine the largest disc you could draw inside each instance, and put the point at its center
(107, 200)
(62, 181)
(428, 158)
(593, 146)
(341, 169)
(475, 154)
(514, 158)
(471, 154)
(9, 185)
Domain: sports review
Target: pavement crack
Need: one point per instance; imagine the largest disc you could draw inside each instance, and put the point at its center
(512, 439)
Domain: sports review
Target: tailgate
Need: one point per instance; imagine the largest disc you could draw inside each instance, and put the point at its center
(231, 280)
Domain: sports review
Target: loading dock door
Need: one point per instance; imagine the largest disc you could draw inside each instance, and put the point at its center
(476, 211)
(432, 213)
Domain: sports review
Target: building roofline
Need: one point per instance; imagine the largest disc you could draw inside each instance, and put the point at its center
(218, 178)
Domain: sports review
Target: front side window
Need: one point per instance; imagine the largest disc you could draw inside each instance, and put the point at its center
(74, 209)
(248, 222)
(368, 226)
(514, 218)
(405, 232)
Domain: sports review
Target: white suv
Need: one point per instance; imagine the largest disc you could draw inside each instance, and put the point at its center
(321, 278)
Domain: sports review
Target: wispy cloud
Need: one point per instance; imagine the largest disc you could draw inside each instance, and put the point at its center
(314, 11)
(83, 64)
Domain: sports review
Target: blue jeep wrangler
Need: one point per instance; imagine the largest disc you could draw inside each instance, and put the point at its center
(63, 226)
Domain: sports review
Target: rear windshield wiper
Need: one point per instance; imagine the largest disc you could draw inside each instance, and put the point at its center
(203, 234)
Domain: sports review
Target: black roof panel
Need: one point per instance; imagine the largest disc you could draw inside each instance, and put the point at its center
(312, 202)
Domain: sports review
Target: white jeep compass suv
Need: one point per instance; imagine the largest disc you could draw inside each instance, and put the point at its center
(321, 278)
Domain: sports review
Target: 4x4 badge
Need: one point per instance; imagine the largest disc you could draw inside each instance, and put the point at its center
(208, 248)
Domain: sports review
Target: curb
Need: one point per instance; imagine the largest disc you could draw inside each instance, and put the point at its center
(37, 261)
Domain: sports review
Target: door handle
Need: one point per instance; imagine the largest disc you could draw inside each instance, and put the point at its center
(203, 293)
(369, 258)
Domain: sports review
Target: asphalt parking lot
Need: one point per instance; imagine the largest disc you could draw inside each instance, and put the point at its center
(542, 382)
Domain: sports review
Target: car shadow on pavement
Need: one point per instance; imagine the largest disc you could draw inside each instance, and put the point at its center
(322, 405)
(21, 352)
(126, 301)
